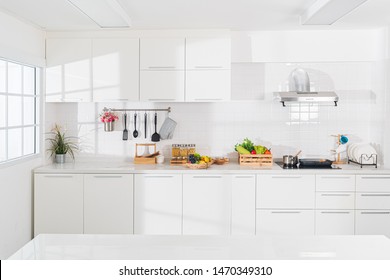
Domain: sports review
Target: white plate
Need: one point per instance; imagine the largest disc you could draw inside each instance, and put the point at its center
(364, 149)
(350, 147)
(353, 152)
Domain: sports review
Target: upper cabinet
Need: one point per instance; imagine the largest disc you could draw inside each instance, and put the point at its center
(162, 53)
(68, 70)
(207, 53)
(115, 69)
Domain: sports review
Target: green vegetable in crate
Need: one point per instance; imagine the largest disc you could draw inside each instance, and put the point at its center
(248, 145)
(260, 149)
(241, 150)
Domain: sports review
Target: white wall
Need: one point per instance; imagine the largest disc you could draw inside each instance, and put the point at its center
(23, 43)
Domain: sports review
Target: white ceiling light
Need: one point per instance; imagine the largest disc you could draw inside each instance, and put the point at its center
(326, 12)
(105, 13)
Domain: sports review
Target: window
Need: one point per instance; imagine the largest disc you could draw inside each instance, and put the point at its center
(19, 118)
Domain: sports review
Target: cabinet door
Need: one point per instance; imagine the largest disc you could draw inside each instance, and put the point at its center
(115, 69)
(373, 183)
(335, 200)
(58, 203)
(208, 85)
(243, 205)
(285, 191)
(108, 203)
(162, 53)
(335, 222)
(158, 204)
(206, 204)
(208, 53)
(68, 70)
(372, 222)
(372, 200)
(335, 183)
(162, 86)
(285, 222)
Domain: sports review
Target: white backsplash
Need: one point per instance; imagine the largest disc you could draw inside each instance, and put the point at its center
(216, 127)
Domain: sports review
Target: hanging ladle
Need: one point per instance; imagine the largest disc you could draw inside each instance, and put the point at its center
(135, 132)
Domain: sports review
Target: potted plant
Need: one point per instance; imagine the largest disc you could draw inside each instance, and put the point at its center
(108, 118)
(61, 144)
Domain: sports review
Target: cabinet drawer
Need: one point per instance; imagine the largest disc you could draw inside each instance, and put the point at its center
(335, 200)
(335, 183)
(335, 222)
(372, 200)
(285, 192)
(373, 183)
(285, 222)
(372, 222)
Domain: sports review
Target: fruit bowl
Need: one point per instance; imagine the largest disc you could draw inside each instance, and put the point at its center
(198, 165)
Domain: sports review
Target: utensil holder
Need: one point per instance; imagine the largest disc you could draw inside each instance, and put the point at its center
(109, 126)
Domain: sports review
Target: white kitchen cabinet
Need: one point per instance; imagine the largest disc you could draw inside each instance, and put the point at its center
(285, 222)
(372, 222)
(115, 66)
(243, 221)
(208, 53)
(162, 54)
(208, 85)
(206, 204)
(335, 200)
(58, 203)
(335, 222)
(373, 201)
(158, 204)
(335, 183)
(68, 70)
(285, 192)
(372, 183)
(162, 86)
(108, 203)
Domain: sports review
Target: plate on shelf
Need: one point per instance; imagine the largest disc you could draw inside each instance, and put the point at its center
(349, 151)
(366, 150)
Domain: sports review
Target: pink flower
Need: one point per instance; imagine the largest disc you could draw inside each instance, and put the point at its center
(108, 116)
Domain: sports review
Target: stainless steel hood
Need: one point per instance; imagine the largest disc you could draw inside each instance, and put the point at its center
(299, 85)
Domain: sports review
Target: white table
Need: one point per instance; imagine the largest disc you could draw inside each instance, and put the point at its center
(142, 247)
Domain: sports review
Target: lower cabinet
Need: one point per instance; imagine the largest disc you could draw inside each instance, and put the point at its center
(108, 203)
(372, 222)
(335, 222)
(285, 222)
(58, 203)
(158, 204)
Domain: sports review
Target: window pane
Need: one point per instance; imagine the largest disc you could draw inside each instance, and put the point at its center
(28, 141)
(29, 110)
(28, 80)
(14, 78)
(2, 146)
(14, 143)
(2, 75)
(2, 111)
(14, 110)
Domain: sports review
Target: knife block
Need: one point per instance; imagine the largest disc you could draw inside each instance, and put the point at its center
(141, 159)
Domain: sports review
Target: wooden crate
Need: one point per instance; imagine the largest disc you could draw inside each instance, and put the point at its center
(255, 160)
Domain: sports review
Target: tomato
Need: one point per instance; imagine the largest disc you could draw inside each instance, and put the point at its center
(267, 152)
(253, 152)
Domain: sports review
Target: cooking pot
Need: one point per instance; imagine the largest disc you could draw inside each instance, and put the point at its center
(290, 160)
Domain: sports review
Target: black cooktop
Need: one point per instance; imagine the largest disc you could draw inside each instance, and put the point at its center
(284, 166)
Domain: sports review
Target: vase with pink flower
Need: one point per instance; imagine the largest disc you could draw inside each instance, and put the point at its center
(108, 118)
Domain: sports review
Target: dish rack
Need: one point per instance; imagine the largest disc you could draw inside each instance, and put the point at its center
(373, 157)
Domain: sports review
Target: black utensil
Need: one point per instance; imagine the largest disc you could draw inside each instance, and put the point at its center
(146, 122)
(125, 131)
(155, 136)
(135, 132)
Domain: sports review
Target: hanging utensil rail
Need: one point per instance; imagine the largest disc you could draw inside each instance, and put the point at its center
(137, 110)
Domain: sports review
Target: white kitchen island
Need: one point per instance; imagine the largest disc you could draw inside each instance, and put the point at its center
(172, 247)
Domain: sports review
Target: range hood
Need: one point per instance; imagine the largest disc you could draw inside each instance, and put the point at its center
(299, 85)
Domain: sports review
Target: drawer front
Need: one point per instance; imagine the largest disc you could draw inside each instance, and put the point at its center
(373, 183)
(289, 222)
(335, 183)
(372, 223)
(335, 222)
(372, 200)
(335, 200)
(285, 192)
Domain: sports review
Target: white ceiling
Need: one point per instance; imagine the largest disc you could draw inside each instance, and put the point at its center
(197, 14)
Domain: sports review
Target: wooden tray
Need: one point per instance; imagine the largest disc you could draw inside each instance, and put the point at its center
(178, 161)
(255, 160)
(198, 166)
(220, 161)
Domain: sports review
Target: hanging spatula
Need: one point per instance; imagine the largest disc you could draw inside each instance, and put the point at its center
(155, 136)
(125, 131)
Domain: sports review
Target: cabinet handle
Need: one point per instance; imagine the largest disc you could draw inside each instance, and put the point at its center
(107, 176)
(336, 194)
(375, 194)
(165, 99)
(379, 213)
(335, 212)
(205, 99)
(162, 176)
(375, 177)
(286, 177)
(209, 67)
(207, 177)
(335, 177)
(285, 212)
(244, 177)
(162, 67)
(58, 176)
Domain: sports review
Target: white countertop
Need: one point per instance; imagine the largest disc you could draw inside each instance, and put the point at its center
(233, 167)
(148, 247)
